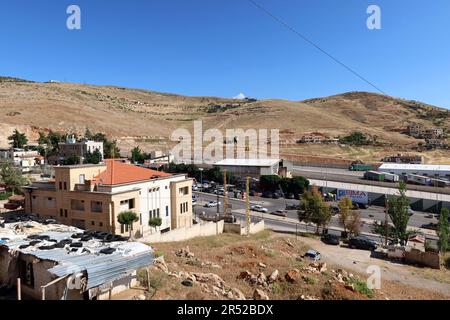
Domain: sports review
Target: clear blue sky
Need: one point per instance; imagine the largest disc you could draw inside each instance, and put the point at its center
(224, 47)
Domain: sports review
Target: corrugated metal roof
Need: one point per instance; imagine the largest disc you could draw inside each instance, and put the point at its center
(417, 167)
(100, 268)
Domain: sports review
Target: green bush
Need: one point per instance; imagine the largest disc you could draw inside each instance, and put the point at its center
(361, 287)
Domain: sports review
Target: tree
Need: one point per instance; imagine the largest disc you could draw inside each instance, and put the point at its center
(138, 156)
(314, 209)
(88, 134)
(155, 222)
(93, 157)
(443, 231)
(18, 139)
(345, 207)
(127, 218)
(72, 160)
(398, 212)
(354, 223)
(12, 177)
(269, 182)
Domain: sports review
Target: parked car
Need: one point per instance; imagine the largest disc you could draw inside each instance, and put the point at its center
(290, 196)
(335, 209)
(313, 255)
(194, 188)
(357, 205)
(259, 208)
(410, 211)
(280, 213)
(331, 239)
(292, 207)
(429, 226)
(275, 195)
(362, 243)
(211, 204)
(429, 216)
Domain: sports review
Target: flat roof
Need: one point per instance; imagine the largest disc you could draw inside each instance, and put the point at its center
(247, 162)
(418, 167)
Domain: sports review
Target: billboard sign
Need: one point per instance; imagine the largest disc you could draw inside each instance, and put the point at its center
(356, 196)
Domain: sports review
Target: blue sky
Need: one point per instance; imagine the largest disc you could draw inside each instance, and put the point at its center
(224, 47)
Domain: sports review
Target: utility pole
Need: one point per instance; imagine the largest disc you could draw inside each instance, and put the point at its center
(225, 195)
(247, 204)
(386, 209)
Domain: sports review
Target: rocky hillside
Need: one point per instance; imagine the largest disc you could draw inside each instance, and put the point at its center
(147, 118)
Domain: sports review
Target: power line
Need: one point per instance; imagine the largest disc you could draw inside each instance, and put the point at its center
(302, 36)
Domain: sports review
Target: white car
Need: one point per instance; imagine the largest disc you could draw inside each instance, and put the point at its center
(259, 208)
(212, 204)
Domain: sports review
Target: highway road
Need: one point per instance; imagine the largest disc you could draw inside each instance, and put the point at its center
(291, 223)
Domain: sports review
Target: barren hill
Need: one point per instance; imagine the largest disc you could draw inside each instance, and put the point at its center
(147, 118)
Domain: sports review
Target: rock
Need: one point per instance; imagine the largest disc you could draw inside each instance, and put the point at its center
(350, 287)
(160, 264)
(322, 267)
(289, 244)
(184, 252)
(245, 275)
(260, 295)
(292, 276)
(238, 295)
(262, 265)
(350, 275)
(140, 297)
(216, 266)
(253, 279)
(261, 279)
(175, 275)
(303, 297)
(230, 295)
(211, 278)
(273, 276)
(187, 283)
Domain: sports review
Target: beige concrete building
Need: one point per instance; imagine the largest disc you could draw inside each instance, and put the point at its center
(92, 197)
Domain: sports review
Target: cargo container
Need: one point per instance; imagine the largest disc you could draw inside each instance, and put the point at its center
(391, 177)
(416, 179)
(360, 167)
(373, 175)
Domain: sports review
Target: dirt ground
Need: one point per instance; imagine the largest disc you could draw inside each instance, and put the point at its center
(232, 267)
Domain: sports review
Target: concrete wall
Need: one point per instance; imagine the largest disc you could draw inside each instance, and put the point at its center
(203, 229)
(237, 228)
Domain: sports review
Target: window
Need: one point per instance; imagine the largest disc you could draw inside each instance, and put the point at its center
(127, 204)
(181, 208)
(100, 224)
(82, 178)
(96, 206)
(60, 185)
(65, 186)
(65, 213)
(167, 211)
(157, 212)
(77, 204)
(166, 187)
(184, 191)
(60, 212)
(93, 223)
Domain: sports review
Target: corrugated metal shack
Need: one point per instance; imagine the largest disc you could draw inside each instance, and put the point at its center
(68, 263)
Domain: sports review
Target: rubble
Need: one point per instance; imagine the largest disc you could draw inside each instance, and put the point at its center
(292, 276)
(184, 252)
(160, 264)
(260, 295)
(273, 276)
(262, 265)
(237, 294)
